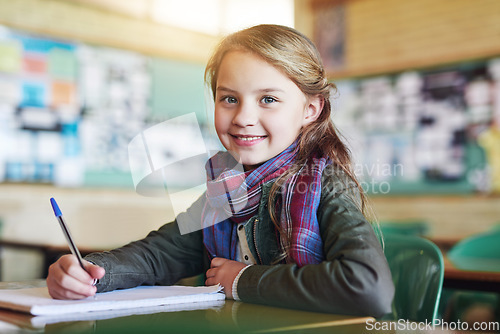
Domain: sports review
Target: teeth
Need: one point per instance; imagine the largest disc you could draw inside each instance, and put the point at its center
(249, 138)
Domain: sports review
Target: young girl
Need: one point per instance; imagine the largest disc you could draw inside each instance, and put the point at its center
(301, 239)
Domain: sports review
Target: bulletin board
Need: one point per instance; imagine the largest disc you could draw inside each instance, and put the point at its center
(420, 132)
(68, 110)
(38, 106)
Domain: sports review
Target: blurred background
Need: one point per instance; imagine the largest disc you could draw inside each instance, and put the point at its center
(417, 100)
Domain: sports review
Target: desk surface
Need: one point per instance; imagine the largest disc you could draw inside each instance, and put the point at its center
(470, 279)
(231, 317)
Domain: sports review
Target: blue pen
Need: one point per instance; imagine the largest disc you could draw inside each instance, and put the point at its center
(64, 227)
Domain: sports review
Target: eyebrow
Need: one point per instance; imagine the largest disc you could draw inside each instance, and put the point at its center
(263, 90)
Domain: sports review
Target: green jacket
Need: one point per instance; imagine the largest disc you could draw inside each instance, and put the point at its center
(354, 279)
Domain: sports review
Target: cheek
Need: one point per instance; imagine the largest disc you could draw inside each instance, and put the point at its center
(218, 121)
(288, 129)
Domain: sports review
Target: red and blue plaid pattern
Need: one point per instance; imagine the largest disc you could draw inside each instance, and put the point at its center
(234, 196)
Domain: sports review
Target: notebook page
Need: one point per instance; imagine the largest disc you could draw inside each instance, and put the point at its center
(42, 320)
(37, 301)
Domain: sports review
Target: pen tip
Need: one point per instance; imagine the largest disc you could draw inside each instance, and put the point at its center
(55, 207)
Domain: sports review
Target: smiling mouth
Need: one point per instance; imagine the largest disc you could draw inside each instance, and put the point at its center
(248, 138)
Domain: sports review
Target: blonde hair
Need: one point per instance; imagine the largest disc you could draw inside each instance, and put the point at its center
(297, 57)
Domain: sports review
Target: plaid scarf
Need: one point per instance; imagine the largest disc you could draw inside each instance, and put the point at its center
(234, 196)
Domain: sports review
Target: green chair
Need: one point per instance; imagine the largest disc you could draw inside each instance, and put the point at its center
(417, 271)
(479, 252)
(409, 227)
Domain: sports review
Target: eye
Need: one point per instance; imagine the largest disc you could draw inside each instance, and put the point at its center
(268, 99)
(229, 99)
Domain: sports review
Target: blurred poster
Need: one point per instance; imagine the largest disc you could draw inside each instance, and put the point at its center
(10, 56)
(34, 94)
(38, 119)
(329, 35)
(420, 130)
(10, 94)
(37, 88)
(441, 139)
(35, 64)
(63, 93)
(115, 93)
(62, 64)
(490, 141)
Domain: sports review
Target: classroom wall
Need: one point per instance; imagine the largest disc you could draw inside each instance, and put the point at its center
(78, 21)
(381, 37)
(104, 218)
(392, 35)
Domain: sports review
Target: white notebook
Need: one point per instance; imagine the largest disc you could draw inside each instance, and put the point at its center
(37, 301)
(25, 320)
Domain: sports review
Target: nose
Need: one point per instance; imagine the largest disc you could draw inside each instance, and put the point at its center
(246, 115)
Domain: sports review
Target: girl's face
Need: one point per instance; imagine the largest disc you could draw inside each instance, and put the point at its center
(259, 111)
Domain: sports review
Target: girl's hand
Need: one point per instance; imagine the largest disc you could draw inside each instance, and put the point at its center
(67, 280)
(223, 271)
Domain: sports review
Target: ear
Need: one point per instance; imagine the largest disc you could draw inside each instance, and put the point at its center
(314, 107)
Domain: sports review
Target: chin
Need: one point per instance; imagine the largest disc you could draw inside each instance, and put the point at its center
(252, 165)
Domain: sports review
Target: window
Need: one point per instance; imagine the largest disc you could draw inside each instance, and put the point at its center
(217, 17)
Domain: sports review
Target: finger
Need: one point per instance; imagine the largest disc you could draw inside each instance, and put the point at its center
(66, 260)
(211, 281)
(59, 292)
(62, 286)
(211, 276)
(217, 262)
(211, 272)
(72, 267)
(73, 286)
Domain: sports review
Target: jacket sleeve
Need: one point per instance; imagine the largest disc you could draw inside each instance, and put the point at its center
(162, 258)
(354, 279)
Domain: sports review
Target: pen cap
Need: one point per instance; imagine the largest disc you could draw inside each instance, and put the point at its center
(55, 207)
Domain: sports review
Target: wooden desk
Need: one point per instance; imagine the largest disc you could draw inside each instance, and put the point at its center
(470, 279)
(231, 317)
(444, 244)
